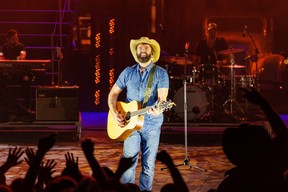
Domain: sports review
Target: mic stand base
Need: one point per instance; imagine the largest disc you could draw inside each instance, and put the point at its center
(187, 162)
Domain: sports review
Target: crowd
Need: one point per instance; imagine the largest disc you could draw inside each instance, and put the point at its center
(39, 175)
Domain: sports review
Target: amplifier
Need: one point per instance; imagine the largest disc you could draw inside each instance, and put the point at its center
(58, 103)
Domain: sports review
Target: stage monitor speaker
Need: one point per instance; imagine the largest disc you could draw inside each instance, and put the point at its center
(57, 103)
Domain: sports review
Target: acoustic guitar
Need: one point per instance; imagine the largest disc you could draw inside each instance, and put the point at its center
(134, 118)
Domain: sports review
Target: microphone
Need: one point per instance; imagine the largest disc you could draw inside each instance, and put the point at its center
(246, 58)
(252, 58)
(187, 45)
(162, 28)
(245, 31)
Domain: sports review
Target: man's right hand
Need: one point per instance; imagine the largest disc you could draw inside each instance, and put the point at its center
(119, 118)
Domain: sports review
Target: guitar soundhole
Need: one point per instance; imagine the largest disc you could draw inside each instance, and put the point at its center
(128, 116)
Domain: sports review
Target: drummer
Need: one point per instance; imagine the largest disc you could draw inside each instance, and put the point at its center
(207, 48)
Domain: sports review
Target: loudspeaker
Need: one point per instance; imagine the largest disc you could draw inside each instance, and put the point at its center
(58, 103)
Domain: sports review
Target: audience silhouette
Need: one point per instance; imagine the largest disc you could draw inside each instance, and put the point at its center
(259, 153)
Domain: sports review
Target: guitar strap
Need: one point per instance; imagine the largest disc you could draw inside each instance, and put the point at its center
(149, 85)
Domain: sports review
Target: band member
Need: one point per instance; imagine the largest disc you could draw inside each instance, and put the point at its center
(13, 49)
(134, 79)
(207, 48)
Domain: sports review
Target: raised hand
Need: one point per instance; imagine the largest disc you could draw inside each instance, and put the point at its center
(164, 157)
(72, 168)
(253, 96)
(12, 160)
(46, 171)
(30, 155)
(87, 147)
(13, 157)
(70, 161)
(46, 143)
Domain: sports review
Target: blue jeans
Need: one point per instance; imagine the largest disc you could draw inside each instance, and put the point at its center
(148, 138)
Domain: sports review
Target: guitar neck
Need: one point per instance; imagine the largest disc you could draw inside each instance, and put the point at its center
(144, 110)
(140, 111)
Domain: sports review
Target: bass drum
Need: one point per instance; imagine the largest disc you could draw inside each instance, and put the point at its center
(196, 102)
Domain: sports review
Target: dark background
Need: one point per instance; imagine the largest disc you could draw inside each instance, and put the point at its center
(176, 22)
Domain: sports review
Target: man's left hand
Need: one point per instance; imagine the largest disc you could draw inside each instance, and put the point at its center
(155, 111)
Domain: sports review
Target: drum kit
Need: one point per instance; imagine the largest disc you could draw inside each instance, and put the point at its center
(210, 93)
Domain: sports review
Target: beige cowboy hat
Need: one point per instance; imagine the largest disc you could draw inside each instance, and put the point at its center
(154, 44)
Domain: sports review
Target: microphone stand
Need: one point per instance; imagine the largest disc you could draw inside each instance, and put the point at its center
(52, 58)
(186, 159)
(59, 58)
(254, 58)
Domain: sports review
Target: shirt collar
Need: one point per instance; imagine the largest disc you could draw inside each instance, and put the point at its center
(148, 69)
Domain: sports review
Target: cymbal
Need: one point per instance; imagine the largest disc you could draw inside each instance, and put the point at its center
(234, 66)
(177, 60)
(230, 51)
(222, 62)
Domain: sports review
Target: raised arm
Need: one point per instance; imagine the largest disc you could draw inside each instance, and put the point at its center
(12, 160)
(44, 145)
(277, 125)
(179, 183)
(45, 174)
(72, 168)
(124, 164)
(98, 172)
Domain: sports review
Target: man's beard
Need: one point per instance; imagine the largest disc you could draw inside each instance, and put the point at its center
(144, 59)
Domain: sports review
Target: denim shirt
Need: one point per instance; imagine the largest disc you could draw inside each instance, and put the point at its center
(135, 84)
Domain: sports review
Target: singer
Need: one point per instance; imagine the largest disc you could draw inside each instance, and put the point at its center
(134, 79)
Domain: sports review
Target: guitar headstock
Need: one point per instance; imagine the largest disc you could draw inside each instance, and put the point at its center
(166, 105)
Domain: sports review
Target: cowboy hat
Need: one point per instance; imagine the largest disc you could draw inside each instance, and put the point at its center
(211, 26)
(154, 45)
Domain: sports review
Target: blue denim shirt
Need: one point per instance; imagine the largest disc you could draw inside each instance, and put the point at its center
(135, 84)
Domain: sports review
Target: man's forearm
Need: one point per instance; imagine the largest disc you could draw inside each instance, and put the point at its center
(112, 100)
(274, 119)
